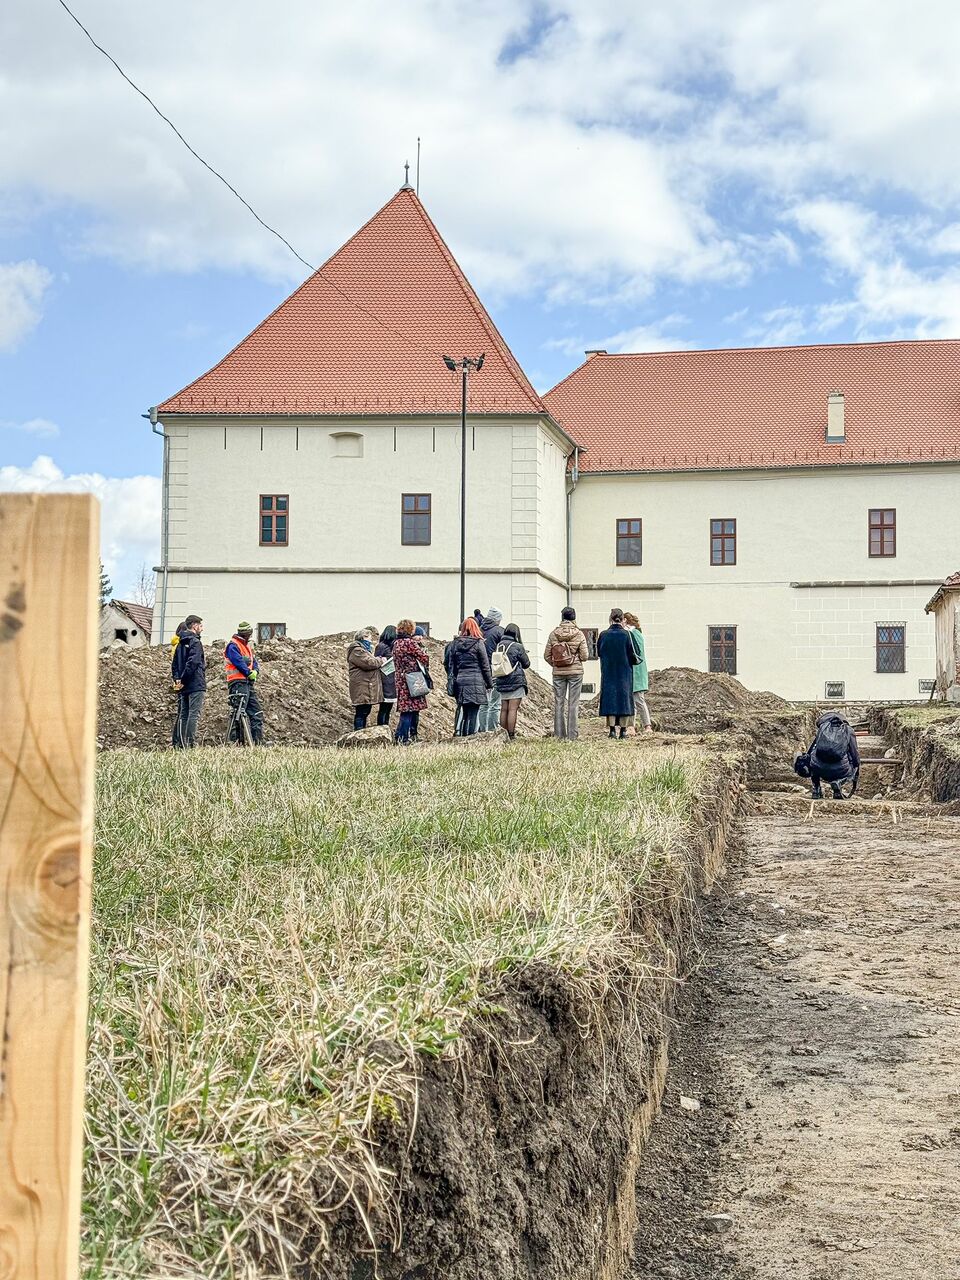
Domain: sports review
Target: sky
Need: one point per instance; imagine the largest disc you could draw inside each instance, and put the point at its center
(620, 175)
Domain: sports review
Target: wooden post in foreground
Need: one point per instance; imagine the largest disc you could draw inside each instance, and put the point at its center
(49, 635)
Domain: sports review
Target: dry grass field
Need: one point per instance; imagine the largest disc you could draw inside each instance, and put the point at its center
(279, 935)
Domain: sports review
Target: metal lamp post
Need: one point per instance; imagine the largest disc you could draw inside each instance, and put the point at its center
(464, 365)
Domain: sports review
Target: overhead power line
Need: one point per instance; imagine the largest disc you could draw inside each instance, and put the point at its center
(384, 324)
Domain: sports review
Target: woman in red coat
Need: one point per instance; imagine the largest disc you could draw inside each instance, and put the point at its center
(409, 655)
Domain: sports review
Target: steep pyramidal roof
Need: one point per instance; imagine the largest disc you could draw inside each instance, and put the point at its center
(766, 406)
(365, 335)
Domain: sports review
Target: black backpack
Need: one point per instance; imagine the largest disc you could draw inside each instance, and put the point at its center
(833, 740)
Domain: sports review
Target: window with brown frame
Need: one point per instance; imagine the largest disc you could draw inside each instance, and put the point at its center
(425, 626)
(883, 531)
(274, 519)
(722, 649)
(723, 541)
(270, 631)
(415, 520)
(891, 648)
(629, 542)
(591, 635)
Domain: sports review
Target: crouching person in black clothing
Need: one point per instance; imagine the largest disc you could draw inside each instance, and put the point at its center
(833, 756)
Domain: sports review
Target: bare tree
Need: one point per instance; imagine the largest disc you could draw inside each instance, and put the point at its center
(145, 586)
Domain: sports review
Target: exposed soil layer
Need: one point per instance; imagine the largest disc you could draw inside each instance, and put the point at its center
(683, 700)
(820, 1038)
(929, 744)
(303, 689)
(523, 1160)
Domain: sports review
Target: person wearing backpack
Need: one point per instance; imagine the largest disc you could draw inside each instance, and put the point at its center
(509, 666)
(492, 633)
(834, 756)
(566, 651)
(469, 667)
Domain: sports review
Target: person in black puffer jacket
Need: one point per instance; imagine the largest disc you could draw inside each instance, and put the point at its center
(513, 687)
(469, 667)
(388, 698)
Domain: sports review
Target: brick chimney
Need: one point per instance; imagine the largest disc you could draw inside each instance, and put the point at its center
(836, 431)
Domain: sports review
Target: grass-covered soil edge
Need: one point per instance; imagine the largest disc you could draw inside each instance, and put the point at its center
(930, 753)
(523, 1158)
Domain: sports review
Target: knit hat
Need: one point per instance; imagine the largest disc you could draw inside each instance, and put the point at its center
(494, 616)
(243, 626)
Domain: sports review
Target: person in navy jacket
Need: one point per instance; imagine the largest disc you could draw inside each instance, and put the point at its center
(189, 671)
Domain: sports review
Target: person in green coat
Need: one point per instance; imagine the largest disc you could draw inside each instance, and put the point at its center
(641, 676)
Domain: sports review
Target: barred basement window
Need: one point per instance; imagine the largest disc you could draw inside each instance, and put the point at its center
(270, 631)
(629, 542)
(927, 686)
(834, 689)
(590, 634)
(415, 520)
(274, 519)
(891, 647)
(722, 647)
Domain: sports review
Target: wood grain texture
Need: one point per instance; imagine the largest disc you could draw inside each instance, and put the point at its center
(48, 654)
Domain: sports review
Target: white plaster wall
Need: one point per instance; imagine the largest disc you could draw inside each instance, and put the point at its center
(791, 527)
(344, 515)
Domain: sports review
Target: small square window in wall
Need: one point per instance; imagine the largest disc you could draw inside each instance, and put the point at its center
(274, 519)
(415, 520)
(723, 541)
(891, 648)
(630, 541)
(270, 631)
(883, 531)
(722, 650)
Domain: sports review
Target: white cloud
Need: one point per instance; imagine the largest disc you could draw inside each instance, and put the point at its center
(22, 289)
(130, 511)
(32, 427)
(641, 337)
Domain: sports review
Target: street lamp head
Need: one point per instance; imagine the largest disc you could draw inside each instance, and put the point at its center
(450, 363)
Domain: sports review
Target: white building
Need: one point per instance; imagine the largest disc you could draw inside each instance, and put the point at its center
(779, 513)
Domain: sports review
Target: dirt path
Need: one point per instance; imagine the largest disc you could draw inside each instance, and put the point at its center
(821, 1037)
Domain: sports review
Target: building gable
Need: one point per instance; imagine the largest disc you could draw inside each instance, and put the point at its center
(365, 334)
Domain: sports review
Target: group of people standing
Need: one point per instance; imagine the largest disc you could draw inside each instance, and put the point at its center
(624, 677)
(485, 665)
(188, 670)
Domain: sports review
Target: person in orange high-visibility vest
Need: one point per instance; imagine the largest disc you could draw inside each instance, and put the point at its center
(242, 671)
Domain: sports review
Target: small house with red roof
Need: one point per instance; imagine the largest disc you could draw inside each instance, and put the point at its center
(780, 514)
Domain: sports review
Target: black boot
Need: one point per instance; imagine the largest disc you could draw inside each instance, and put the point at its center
(816, 793)
(623, 733)
(612, 733)
(837, 793)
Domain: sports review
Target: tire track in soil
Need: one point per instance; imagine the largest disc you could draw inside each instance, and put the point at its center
(821, 1037)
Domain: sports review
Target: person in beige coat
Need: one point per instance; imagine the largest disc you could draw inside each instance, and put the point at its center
(566, 651)
(366, 684)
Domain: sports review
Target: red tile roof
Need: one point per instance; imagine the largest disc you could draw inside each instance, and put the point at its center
(949, 584)
(319, 353)
(141, 614)
(760, 407)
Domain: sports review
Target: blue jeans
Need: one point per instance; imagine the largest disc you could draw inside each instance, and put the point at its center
(490, 712)
(189, 706)
(409, 726)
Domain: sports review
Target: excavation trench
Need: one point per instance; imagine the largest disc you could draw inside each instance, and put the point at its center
(523, 1159)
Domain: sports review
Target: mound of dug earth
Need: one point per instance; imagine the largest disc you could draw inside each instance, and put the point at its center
(682, 700)
(303, 689)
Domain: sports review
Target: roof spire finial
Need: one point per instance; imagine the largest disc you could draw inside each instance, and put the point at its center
(406, 177)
